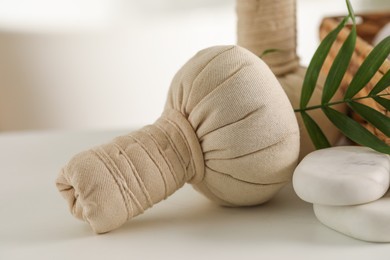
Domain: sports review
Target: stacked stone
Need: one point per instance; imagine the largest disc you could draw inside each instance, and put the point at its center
(349, 188)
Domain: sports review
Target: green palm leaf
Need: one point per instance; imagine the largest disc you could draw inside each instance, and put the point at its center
(313, 71)
(349, 127)
(339, 67)
(341, 61)
(382, 84)
(368, 68)
(354, 131)
(372, 116)
(316, 135)
(383, 102)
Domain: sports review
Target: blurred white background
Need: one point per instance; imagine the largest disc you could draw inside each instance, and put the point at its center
(107, 64)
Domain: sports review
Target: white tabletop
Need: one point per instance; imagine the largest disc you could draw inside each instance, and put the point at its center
(35, 222)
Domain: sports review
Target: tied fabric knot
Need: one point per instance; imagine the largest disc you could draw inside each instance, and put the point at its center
(132, 173)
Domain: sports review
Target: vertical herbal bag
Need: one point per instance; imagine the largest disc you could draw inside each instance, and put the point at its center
(271, 24)
(367, 29)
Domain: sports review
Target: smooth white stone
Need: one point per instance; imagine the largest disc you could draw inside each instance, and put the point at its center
(368, 222)
(382, 34)
(344, 175)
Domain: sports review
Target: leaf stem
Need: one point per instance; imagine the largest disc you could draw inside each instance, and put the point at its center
(338, 102)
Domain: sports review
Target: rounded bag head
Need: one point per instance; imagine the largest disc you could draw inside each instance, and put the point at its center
(227, 128)
(244, 122)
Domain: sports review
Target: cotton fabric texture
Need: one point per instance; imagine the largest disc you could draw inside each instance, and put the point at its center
(292, 84)
(227, 128)
(271, 24)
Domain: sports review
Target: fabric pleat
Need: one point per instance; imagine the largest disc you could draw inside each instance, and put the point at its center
(227, 128)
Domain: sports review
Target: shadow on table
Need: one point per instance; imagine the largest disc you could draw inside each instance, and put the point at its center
(284, 219)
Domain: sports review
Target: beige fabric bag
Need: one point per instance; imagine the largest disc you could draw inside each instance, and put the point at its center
(271, 24)
(227, 128)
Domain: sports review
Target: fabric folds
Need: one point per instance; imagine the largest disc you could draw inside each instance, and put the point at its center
(227, 128)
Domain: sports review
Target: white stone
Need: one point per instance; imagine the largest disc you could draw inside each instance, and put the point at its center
(341, 176)
(368, 222)
(382, 34)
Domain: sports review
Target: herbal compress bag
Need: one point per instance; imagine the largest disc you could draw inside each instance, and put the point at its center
(227, 128)
(271, 24)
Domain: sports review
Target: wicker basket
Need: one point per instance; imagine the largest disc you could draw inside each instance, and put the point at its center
(367, 28)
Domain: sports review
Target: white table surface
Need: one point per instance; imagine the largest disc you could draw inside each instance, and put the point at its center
(35, 222)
